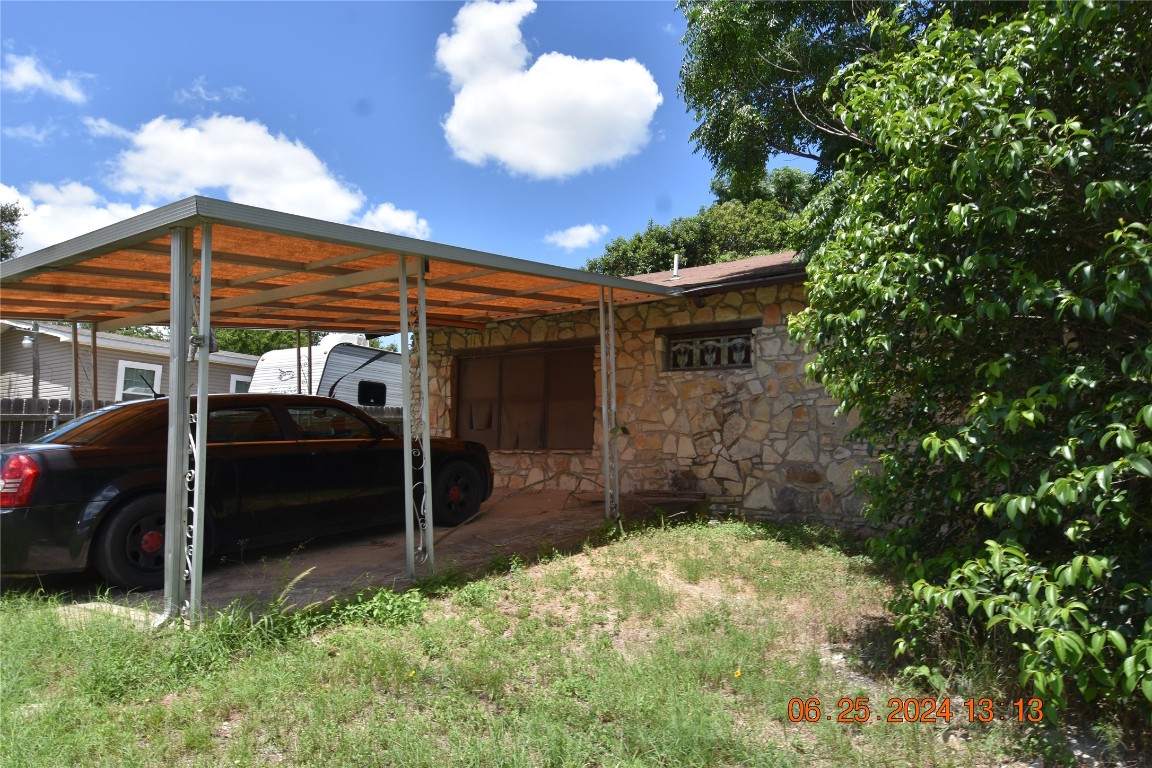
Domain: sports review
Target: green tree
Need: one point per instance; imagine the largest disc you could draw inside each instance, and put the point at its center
(250, 341)
(983, 299)
(755, 74)
(10, 215)
(143, 332)
(791, 187)
(720, 232)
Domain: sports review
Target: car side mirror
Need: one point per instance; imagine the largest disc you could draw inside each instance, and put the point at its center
(372, 393)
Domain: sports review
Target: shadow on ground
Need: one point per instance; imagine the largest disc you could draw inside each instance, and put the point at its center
(522, 524)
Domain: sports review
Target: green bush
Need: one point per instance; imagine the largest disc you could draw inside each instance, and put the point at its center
(982, 296)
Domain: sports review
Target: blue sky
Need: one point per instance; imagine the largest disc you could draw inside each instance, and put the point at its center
(537, 130)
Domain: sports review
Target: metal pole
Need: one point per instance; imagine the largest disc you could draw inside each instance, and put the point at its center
(75, 369)
(176, 492)
(35, 366)
(614, 456)
(406, 416)
(299, 369)
(311, 389)
(200, 479)
(605, 428)
(95, 372)
(425, 441)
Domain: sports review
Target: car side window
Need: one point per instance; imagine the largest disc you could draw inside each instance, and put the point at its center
(327, 423)
(243, 425)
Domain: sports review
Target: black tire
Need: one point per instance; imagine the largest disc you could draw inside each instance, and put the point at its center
(129, 551)
(457, 491)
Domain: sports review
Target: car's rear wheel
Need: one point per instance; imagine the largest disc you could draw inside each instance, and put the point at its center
(457, 492)
(129, 551)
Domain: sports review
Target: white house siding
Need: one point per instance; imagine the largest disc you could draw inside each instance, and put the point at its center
(56, 366)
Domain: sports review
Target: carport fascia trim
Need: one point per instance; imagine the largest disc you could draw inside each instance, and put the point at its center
(193, 211)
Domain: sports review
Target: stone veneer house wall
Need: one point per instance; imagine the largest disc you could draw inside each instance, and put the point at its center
(756, 437)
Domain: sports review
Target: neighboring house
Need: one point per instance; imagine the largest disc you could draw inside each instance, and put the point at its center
(711, 397)
(125, 366)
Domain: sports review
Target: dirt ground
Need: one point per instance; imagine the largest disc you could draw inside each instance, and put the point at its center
(524, 524)
(323, 569)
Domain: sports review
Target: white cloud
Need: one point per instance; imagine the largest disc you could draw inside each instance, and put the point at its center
(388, 218)
(576, 237)
(556, 118)
(29, 133)
(221, 156)
(199, 91)
(55, 213)
(485, 42)
(241, 159)
(106, 129)
(25, 74)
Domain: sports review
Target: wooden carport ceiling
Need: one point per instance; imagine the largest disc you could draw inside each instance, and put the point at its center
(280, 271)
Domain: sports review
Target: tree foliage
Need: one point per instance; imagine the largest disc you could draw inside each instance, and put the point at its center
(756, 74)
(791, 187)
(250, 341)
(983, 299)
(721, 232)
(10, 214)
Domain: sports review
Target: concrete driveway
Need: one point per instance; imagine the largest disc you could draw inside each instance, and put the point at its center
(524, 524)
(521, 524)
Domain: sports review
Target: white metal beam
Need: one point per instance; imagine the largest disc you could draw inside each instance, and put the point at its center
(199, 521)
(176, 492)
(425, 439)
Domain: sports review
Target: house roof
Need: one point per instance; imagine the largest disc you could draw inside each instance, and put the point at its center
(281, 271)
(754, 270)
(121, 343)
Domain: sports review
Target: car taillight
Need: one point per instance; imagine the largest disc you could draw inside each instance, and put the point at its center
(18, 479)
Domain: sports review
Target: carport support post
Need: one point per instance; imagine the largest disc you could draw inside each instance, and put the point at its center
(76, 399)
(405, 414)
(95, 371)
(425, 441)
(406, 399)
(176, 492)
(200, 482)
(608, 457)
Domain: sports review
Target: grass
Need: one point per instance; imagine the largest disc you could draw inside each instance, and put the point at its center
(677, 647)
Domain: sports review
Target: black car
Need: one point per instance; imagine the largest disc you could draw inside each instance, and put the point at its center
(281, 468)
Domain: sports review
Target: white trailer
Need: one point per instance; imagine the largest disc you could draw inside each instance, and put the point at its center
(338, 367)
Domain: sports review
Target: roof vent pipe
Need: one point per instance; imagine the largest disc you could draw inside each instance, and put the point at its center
(675, 267)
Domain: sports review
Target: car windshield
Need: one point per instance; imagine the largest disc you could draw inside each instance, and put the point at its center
(112, 426)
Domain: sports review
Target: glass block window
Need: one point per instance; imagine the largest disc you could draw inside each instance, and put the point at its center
(694, 352)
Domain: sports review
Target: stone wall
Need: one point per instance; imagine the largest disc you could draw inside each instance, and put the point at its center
(760, 441)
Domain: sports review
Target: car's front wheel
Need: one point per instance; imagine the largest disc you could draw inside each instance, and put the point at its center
(129, 552)
(456, 493)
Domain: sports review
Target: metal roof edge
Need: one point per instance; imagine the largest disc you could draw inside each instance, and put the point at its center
(295, 225)
(198, 209)
(148, 225)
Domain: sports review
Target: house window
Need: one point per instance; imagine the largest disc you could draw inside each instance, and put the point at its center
(239, 384)
(137, 381)
(539, 400)
(708, 350)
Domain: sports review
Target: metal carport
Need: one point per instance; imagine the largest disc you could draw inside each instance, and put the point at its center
(265, 269)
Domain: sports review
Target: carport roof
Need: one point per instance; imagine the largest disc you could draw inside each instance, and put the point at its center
(282, 271)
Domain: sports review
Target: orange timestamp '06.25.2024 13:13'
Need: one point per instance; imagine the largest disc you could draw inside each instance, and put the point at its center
(857, 709)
